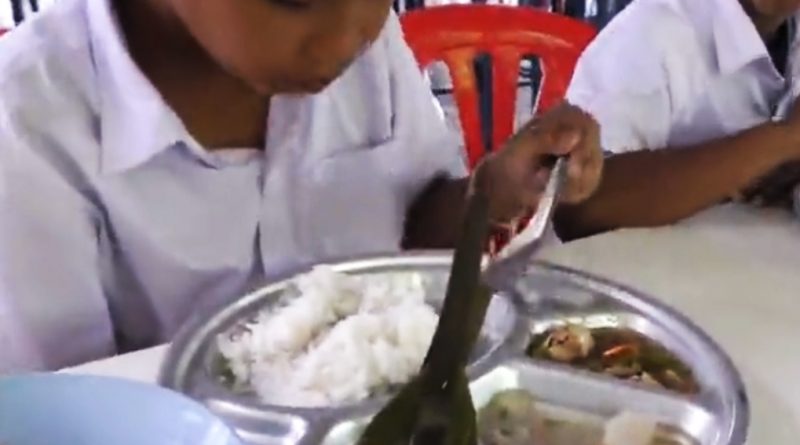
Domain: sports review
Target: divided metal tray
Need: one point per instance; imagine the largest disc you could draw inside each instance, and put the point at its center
(548, 295)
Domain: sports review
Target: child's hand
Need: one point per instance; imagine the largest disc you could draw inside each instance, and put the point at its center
(515, 176)
(776, 189)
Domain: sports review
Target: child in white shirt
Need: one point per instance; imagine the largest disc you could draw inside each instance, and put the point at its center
(160, 154)
(696, 104)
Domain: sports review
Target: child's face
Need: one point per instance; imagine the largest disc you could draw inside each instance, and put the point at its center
(284, 46)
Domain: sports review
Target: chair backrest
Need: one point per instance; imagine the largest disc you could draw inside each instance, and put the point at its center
(457, 34)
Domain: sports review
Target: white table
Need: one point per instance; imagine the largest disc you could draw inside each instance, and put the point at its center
(733, 270)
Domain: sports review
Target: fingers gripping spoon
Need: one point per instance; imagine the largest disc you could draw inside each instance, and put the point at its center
(435, 408)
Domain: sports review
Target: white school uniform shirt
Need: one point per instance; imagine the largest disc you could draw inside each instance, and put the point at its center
(115, 224)
(672, 73)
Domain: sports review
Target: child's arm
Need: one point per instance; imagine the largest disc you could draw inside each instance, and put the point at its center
(637, 78)
(651, 188)
(51, 302)
(431, 221)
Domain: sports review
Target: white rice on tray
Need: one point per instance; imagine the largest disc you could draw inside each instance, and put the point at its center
(337, 339)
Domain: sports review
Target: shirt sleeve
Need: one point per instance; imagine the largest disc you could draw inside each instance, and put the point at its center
(621, 79)
(52, 309)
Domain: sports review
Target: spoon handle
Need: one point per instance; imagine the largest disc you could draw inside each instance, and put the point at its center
(513, 260)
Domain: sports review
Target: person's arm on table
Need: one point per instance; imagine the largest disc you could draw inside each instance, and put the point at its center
(51, 303)
(637, 101)
(657, 187)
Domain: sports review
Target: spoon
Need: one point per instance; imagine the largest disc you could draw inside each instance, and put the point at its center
(513, 260)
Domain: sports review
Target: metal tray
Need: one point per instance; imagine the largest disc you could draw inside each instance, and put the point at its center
(547, 295)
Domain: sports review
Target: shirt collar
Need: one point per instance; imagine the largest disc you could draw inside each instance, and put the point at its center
(135, 122)
(736, 39)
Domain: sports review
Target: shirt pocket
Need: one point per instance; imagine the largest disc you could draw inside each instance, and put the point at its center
(354, 202)
(356, 111)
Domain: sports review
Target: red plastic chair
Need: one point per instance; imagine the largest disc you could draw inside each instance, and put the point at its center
(457, 34)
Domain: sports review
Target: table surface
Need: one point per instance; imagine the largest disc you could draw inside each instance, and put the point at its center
(732, 269)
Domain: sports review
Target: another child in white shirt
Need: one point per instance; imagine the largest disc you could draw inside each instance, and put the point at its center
(696, 104)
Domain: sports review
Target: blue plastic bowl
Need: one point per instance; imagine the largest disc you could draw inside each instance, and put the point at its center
(53, 409)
